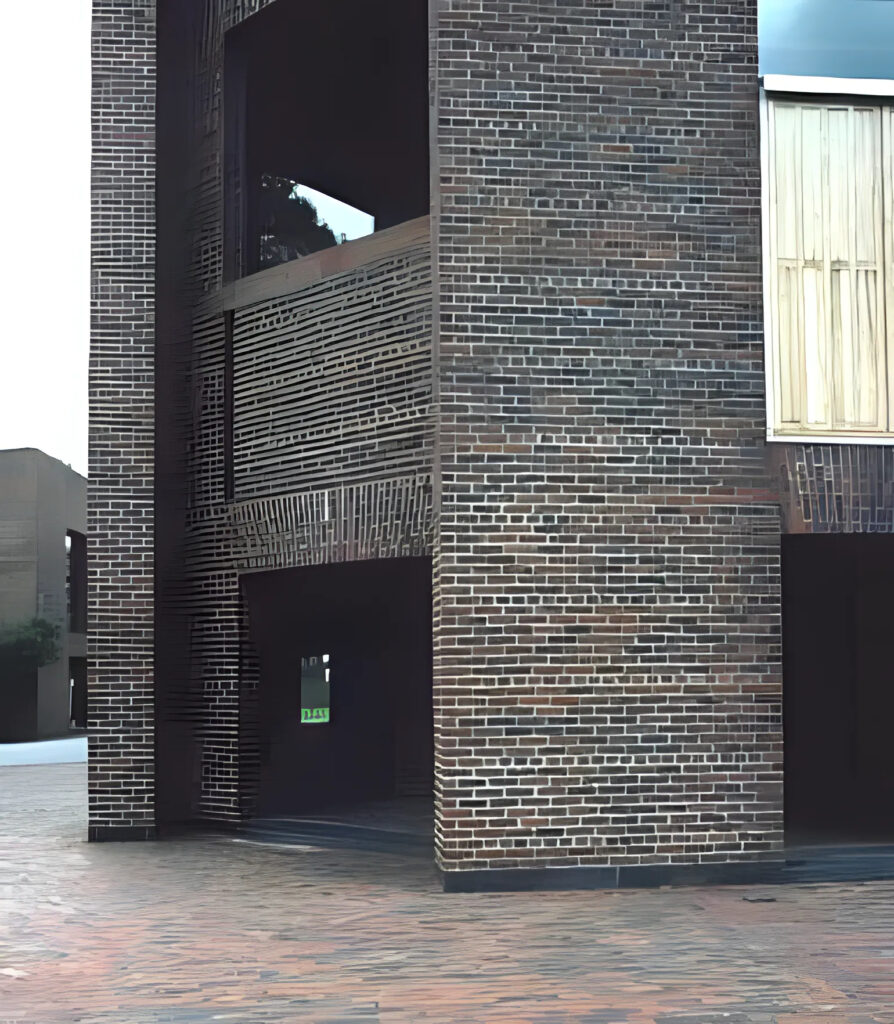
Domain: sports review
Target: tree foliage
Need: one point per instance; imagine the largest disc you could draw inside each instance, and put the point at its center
(29, 645)
(289, 224)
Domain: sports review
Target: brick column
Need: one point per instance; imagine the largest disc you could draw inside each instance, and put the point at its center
(121, 465)
(607, 608)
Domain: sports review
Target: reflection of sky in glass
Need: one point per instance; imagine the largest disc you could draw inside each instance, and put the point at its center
(838, 38)
(343, 219)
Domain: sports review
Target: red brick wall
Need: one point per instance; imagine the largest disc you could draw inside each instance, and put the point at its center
(607, 677)
(121, 463)
(607, 563)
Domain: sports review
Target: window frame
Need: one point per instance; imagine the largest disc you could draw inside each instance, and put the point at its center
(790, 87)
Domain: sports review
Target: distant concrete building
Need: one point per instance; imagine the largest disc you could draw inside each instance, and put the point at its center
(43, 573)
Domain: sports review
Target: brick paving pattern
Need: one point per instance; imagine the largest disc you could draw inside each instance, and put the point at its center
(211, 929)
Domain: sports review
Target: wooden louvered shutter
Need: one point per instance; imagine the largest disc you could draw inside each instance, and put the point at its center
(827, 269)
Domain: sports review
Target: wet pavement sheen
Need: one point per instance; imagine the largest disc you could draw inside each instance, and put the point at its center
(209, 929)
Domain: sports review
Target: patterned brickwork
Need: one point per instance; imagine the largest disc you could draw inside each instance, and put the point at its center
(338, 509)
(390, 518)
(120, 500)
(836, 488)
(297, 506)
(333, 383)
(607, 678)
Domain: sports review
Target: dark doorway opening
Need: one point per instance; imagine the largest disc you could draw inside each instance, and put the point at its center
(77, 674)
(345, 690)
(76, 581)
(838, 663)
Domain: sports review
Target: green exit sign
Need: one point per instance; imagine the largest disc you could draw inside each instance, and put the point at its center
(315, 714)
(315, 699)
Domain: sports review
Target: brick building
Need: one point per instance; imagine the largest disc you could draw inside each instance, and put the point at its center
(487, 501)
(43, 574)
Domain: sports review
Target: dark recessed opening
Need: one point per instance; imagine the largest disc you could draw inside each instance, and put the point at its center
(345, 688)
(838, 643)
(77, 676)
(229, 480)
(76, 581)
(331, 101)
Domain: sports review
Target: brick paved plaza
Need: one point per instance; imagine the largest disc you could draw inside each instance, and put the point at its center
(211, 929)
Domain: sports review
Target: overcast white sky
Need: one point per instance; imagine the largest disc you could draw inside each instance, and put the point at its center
(44, 189)
(45, 218)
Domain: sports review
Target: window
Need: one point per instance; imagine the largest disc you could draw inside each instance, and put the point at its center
(76, 581)
(294, 221)
(326, 127)
(829, 244)
(315, 690)
(229, 468)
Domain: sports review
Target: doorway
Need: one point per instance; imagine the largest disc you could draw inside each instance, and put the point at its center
(77, 675)
(345, 689)
(838, 684)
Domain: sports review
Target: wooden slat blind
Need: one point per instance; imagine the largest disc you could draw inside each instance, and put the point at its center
(828, 232)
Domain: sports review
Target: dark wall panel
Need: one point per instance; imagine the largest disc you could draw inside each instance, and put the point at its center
(839, 701)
